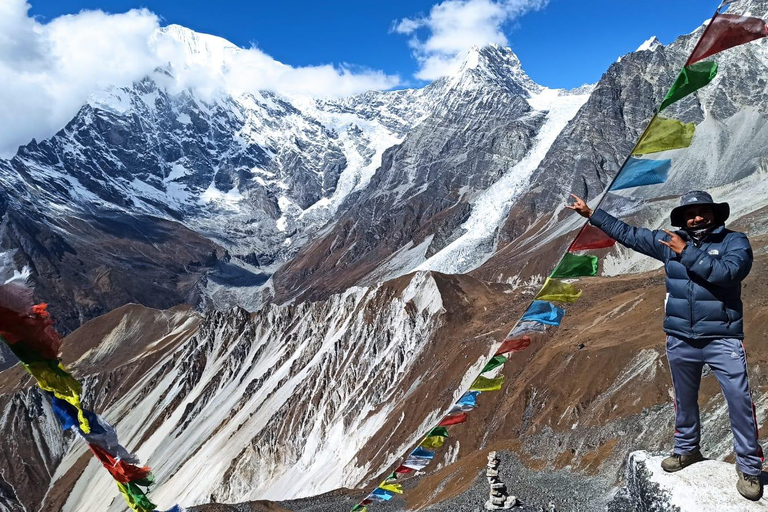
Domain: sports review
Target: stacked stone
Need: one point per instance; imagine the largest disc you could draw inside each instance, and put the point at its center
(499, 499)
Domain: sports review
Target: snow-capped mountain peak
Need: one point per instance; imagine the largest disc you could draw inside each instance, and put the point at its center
(493, 65)
(649, 45)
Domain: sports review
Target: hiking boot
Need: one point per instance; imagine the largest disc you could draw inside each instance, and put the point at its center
(749, 486)
(677, 461)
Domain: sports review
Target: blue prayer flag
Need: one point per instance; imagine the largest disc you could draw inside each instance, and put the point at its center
(469, 398)
(638, 172)
(422, 453)
(381, 494)
(544, 312)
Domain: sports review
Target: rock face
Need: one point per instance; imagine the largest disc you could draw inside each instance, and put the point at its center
(708, 486)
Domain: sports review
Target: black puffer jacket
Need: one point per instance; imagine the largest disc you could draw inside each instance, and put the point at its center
(703, 283)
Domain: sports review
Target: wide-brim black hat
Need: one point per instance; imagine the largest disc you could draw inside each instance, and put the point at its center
(721, 211)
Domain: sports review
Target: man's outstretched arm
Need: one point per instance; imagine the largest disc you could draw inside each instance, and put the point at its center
(642, 240)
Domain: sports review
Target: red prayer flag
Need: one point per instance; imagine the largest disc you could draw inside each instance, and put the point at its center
(119, 469)
(727, 31)
(453, 420)
(514, 345)
(34, 330)
(366, 502)
(591, 238)
(403, 470)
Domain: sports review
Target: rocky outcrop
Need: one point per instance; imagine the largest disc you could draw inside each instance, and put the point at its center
(708, 486)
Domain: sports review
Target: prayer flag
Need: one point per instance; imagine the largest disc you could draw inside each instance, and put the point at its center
(439, 431)
(121, 471)
(359, 508)
(421, 453)
(663, 135)
(526, 326)
(433, 442)
(544, 312)
(416, 464)
(51, 376)
(576, 265)
(33, 330)
(454, 420)
(469, 398)
(396, 488)
(514, 345)
(591, 237)
(403, 470)
(691, 79)
(392, 476)
(639, 173)
(484, 384)
(558, 291)
(494, 363)
(727, 31)
(135, 497)
(380, 494)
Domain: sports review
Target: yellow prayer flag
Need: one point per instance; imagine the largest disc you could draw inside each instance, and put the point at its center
(55, 379)
(664, 134)
(485, 384)
(433, 442)
(396, 488)
(558, 291)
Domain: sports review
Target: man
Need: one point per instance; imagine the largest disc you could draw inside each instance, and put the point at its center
(705, 264)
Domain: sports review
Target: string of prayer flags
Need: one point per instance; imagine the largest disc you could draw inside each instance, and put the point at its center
(726, 31)
(591, 238)
(558, 291)
(514, 345)
(485, 384)
(663, 135)
(495, 362)
(544, 312)
(639, 173)
(575, 265)
(691, 79)
(395, 488)
(454, 420)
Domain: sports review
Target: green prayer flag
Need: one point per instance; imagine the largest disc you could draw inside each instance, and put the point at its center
(558, 291)
(433, 442)
(439, 431)
(576, 265)
(135, 497)
(664, 134)
(690, 79)
(359, 508)
(485, 384)
(494, 363)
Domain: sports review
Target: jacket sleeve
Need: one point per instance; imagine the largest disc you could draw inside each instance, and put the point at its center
(730, 269)
(642, 240)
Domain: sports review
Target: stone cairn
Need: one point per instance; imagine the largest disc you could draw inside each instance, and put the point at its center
(499, 499)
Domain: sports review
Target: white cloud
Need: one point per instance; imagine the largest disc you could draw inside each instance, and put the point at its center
(454, 26)
(48, 70)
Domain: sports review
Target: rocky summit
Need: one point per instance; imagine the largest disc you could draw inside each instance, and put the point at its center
(274, 297)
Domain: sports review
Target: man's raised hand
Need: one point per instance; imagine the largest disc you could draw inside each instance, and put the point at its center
(675, 243)
(580, 207)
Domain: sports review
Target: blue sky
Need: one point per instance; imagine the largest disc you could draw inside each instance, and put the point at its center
(565, 43)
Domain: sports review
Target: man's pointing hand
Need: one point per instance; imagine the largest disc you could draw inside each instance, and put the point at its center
(580, 207)
(675, 243)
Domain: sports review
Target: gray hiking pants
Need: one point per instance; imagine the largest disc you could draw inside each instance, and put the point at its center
(728, 362)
